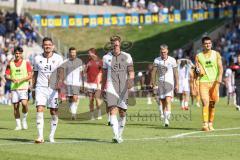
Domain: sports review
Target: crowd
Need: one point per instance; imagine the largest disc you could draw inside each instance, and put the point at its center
(14, 31)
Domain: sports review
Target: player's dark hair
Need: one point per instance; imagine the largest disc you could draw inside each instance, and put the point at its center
(93, 50)
(72, 49)
(206, 38)
(47, 39)
(19, 49)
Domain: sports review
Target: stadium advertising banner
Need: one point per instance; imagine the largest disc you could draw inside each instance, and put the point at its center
(92, 21)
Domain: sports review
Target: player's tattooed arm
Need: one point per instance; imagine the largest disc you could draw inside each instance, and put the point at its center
(104, 79)
(34, 79)
(153, 76)
(130, 76)
(175, 72)
(60, 77)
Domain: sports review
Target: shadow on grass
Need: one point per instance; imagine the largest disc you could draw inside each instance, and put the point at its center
(17, 139)
(85, 123)
(1, 128)
(86, 140)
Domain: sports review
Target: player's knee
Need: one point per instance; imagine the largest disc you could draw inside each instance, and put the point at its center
(212, 104)
(53, 111)
(113, 110)
(122, 113)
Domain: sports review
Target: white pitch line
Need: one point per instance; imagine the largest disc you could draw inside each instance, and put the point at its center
(182, 135)
(203, 136)
(196, 132)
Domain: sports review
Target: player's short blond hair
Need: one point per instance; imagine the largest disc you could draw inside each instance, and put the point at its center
(115, 38)
(163, 46)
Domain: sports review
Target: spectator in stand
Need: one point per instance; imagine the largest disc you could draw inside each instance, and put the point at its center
(152, 7)
(141, 4)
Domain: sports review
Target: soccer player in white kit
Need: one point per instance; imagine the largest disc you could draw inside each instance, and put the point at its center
(73, 71)
(45, 82)
(118, 78)
(229, 82)
(167, 80)
(184, 71)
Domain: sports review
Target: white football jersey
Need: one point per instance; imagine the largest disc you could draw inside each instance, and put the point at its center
(45, 67)
(184, 73)
(165, 68)
(73, 72)
(116, 67)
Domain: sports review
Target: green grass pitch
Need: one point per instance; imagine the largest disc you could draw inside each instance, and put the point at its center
(145, 137)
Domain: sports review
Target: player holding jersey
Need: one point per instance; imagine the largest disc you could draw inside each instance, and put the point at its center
(167, 80)
(19, 72)
(73, 69)
(118, 77)
(209, 64)
(45, 82)
(94, 78)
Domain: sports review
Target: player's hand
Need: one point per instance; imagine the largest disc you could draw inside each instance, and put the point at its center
(176, 88)
(14, 81)
(130, 83)
(82, 89)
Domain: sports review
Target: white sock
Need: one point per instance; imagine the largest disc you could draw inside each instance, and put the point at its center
(54, 123)
(160, 109)
(99, 112)
(121, 125)
(109, 117)
(114, 124)
(40, 124)
(149, 99)
(73, 108)
(183, 103)
(18, 122)
(167, 115)
(24, 117)
(92, 114)
(186, 103)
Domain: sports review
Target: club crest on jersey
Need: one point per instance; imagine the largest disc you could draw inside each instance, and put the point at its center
(53, 62)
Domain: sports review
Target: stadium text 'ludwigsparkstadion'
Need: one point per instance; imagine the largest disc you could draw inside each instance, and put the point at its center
(133, 19)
